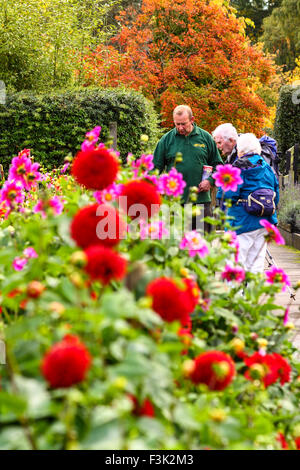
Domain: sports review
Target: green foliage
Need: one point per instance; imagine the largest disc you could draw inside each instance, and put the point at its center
(42, 42)
(287, 123)
(255, 11)
(53, 125)
(281, 33)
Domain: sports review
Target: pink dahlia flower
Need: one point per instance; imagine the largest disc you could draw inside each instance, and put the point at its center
(155, 230)
(108, 194)
(56, 204)
(12, 193)
(193, 242)
(145, 163)
(24, 171)
(277, 275)
(232, 273)
(273, 233)
(91, 139)
(19, 263)
(227, 177)
(30, 252)
(172, 183)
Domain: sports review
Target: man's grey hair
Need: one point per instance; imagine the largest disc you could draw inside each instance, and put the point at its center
(183, 108)
(248, 143)
(226, 131)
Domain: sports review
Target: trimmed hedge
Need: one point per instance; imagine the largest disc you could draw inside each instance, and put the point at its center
(53, 125)
(287, 123)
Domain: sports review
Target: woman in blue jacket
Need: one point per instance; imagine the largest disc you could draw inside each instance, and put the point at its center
(256, 174)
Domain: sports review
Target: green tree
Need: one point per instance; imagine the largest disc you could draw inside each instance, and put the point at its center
(282, 33)
(256, 11)
(42, 41)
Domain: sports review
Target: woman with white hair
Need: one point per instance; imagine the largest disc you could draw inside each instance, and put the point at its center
(255, 199)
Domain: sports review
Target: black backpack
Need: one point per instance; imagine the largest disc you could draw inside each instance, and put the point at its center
(269, 153)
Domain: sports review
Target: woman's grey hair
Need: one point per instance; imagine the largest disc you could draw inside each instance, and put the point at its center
(226, 131)
(248, 143)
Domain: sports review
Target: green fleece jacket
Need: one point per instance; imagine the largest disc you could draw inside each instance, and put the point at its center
(198, 149)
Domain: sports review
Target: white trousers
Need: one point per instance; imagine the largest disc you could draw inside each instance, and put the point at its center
(253, 250)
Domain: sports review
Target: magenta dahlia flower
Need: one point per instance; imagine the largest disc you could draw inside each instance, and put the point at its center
(24, 171)
(273, 233)
(227, 177)
(277, 275)
(172, 183)
(91, 139)
(12, 193)
(233, 273)
(19, 263)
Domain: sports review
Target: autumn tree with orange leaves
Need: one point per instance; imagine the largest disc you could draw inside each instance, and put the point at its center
(187, 51)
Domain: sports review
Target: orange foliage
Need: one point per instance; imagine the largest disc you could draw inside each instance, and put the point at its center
(187, 51)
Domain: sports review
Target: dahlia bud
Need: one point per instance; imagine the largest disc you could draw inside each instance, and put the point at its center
(184, 272)
(35, 289)
(234, 328)
(289, 325)
(120, 383)
(144, 138)
(68, 159)
(254, 336)
(193, 197)
(257, 371)
(79, 259)
(145, 302)
(196, 211)
(262, 342)
(194, 189)
(178, 157)
(237, 344)
(77, 280)
(188, 367)
(217, 415)
(227, 237)
(57, 307)
(221, 369)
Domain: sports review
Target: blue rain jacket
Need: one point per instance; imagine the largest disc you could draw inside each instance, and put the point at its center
(261, 176)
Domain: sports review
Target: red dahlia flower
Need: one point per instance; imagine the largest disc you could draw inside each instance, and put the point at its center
(268, 367)
(297, 442)
(213, 368)
(95, 168)
(104, 264)
(66, 363)
(144, 409)
(143, 193)
(97, 225)
(281, 439)
(170, 301)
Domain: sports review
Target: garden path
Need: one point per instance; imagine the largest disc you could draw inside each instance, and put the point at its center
(288, 259)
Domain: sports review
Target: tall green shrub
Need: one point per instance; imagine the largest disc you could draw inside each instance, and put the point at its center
(287, 123)
(52, 125)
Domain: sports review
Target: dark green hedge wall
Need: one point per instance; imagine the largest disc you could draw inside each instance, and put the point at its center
(287, 123)
(53, 125)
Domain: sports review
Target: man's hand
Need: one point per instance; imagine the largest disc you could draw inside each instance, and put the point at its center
(204, 186)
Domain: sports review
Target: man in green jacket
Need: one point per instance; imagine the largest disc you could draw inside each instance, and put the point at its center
(197, 148)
